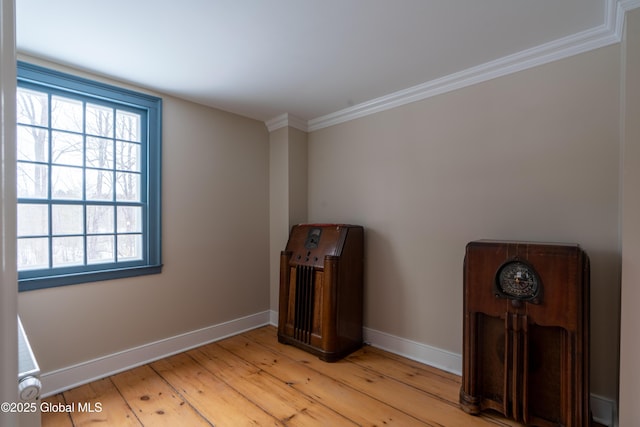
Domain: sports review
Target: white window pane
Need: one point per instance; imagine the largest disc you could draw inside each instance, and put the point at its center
(99, 120)
(32, 181)
(99, 185)
(128, 126)
(66, 114)
(129, 219)
(130, 247)
(66, 183)
(99, 153)
(67, 219)
(128, 156)
(33, 254)
(128, 187)
(33, 220)
(100, 249)
(66, 148)
(68, 251)
(32, 107)
(100, 219)
(33, 144)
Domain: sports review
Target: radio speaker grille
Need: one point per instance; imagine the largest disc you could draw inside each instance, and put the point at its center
(305, 287)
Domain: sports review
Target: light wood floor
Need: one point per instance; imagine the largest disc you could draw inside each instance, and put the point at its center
(251, 379)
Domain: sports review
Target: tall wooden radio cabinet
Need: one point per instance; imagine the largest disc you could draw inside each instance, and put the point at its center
(321, 286)
(526, 332)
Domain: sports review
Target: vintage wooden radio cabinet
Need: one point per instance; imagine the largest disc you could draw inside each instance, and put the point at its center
(526, 332)
(321, 285)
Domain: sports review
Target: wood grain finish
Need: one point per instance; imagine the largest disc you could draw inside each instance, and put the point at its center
(251, 379)
(321, 289)
(528, 360)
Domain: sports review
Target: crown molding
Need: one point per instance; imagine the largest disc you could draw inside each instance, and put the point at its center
(286, 120)
(621, 8)
(627, 5)
(610, 32)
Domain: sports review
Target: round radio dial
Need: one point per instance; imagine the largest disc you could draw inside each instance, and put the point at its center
(518, 280)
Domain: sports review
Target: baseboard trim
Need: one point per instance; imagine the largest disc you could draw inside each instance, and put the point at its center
(602, 409)
(432, 356)
(273, 318)
(72, 376)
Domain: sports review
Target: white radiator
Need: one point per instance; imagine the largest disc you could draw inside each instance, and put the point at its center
(28, 381)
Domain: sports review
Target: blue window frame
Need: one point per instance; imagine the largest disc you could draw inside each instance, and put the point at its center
(88, 182)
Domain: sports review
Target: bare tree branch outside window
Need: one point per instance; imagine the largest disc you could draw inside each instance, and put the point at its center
(95, 158)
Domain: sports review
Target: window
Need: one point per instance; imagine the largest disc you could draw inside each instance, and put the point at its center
(88, 180)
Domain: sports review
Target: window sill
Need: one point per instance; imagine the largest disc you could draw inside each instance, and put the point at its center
(88, 277)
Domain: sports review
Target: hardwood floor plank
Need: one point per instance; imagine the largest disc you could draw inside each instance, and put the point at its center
(212, 397)
(252, 380)
(439, 386)
(428, 407)
(154, 402)
(100, 402)
(351, 403)
(274, 396)
(438, 383)
(54, 418)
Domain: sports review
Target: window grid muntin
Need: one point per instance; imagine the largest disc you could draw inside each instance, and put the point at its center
(50, 200)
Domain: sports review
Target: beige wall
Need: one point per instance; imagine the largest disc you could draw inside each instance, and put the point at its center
(215, 209)
(530, 156)
(630, 315)
(287, 196)
(278, 206)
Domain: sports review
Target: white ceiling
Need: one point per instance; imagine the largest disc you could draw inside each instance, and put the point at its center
(263, 58)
